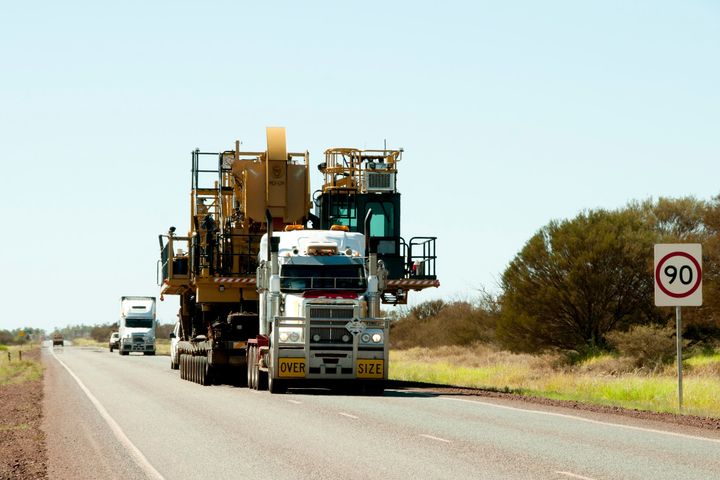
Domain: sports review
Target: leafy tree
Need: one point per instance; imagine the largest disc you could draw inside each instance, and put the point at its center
(576, 280)
(101, 333)
(434, 323)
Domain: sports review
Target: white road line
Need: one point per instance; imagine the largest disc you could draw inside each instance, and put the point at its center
(588, 420)
(435, 438)
(574, 475)
(295, 402)
(348, 415)
(136, 454)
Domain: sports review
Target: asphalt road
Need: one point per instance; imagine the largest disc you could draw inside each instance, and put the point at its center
(133, 417)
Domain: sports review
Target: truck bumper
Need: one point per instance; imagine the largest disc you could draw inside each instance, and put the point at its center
(137, 347)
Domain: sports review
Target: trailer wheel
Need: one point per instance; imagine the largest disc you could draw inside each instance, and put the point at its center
(207, 372)
(183, 368)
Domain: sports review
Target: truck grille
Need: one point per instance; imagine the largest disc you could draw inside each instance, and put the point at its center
(138, 339)
(327, 325)
(331, 312)
(329, 332)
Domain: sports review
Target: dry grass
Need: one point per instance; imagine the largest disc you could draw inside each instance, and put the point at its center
(13, 370)
(604, 379)
(162, 345)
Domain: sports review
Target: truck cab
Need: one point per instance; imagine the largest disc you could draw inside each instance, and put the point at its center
(319, 320)
(137, 325)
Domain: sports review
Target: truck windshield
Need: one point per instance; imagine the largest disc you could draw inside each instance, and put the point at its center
(295, 278)
(138, 322)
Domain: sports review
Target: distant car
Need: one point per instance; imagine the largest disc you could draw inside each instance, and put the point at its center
(114, 341)
(174, 339)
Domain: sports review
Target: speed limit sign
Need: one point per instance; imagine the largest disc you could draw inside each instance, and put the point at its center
(678, 274)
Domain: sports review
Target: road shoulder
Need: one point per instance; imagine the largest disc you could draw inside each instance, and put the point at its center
(79, 442)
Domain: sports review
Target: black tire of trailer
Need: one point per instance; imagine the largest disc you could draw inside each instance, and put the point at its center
(183, 370)
(150, 353)
(198, 370)
(207, 372)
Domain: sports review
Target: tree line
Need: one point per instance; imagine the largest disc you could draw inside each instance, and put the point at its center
(577, 281)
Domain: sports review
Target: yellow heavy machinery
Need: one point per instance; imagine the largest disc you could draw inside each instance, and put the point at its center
(213, 268)
(277, 295)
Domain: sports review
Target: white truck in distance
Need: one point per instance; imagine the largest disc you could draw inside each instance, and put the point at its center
(319, 311)
(137, 325)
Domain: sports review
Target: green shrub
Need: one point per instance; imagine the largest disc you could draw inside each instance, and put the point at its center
(437, 323)
(648, 346)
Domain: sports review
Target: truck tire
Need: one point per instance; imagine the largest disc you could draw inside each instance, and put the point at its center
(182, 366)
(150, 353)
(375, 389)
(251, 367)
(262, 379)
(111, 349)
(275, 385)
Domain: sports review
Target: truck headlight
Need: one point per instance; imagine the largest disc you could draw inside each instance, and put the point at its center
(372, 336)
(290, 334)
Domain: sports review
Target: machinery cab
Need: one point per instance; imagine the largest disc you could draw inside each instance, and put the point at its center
(357, 182)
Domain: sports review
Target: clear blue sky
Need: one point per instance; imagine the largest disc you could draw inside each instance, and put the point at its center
(511, 114)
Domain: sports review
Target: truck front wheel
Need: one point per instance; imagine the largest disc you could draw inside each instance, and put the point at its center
(275, 385)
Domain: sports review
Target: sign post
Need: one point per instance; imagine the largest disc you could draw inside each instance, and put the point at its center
(678, 283)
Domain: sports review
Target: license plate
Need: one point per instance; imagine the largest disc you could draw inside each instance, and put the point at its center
(291, 367)
(370, 369)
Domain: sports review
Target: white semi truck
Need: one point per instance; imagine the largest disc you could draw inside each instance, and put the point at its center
(320, 321)
(137, 325)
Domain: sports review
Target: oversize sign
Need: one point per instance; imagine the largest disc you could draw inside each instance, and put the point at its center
(678, 274)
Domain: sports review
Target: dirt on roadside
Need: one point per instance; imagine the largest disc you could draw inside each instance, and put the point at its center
(22, 441)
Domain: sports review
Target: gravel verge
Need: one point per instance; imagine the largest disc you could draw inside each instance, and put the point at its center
(23, 453)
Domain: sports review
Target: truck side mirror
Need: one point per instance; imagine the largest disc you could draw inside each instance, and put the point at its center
(172, 335)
